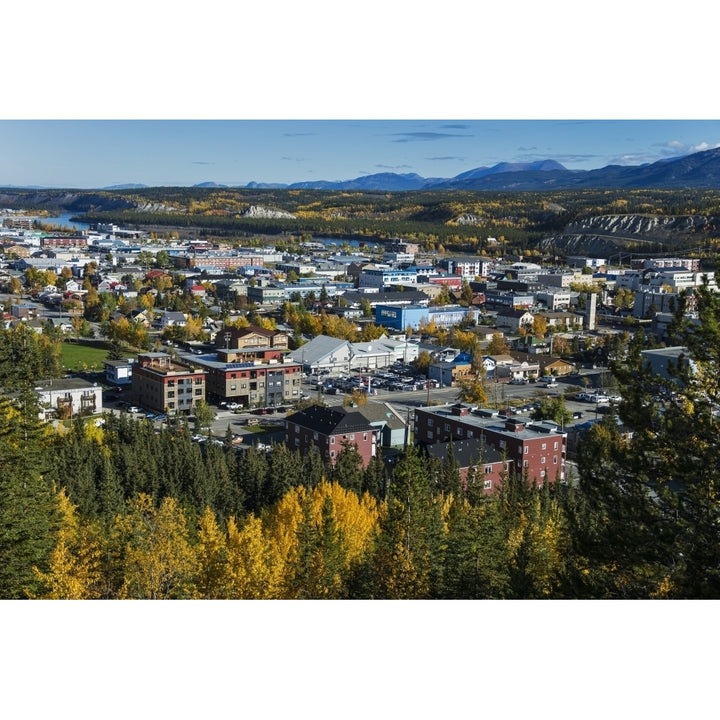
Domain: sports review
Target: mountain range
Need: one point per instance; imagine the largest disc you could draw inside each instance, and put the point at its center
(698, 170)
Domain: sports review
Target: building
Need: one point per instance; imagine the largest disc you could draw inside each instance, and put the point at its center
(330, 430)
(68, 397)
(253, 383)
(515, 319)
(251, 338)
(165, 385)
(118, 372)
(414, 316)
(537, 449)
(324, 353)
(385, 278)
(665, 362)
(474, 455)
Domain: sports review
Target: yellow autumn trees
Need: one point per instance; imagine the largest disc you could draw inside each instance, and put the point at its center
(303, 547)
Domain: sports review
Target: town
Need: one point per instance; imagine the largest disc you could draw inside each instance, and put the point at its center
(246, 373)
(434, 326)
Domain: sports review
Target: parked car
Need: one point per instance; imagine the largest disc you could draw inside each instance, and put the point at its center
(133, 409)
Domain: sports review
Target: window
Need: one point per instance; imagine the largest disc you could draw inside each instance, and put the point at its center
(554, 459)
(488, 469)
(332, 440)
(544, 446)
(542, 460)
(555, 448)
(526, 464)
(487, 485)
(526, 449)
(233, 387)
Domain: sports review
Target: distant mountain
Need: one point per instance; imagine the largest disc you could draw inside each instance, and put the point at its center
(126, 186)
(539, 166)
(209, 185)
(699, 170)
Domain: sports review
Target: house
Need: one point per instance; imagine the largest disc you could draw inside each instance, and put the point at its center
(515, 319)
(169, 318)
(449, 373)
(251, 337)
(330, 430)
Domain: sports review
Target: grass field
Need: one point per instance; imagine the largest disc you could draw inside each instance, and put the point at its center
(75, 357)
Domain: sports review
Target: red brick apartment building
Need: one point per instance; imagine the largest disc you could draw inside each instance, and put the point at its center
(328, 429)
(162, 384)
(538, 448)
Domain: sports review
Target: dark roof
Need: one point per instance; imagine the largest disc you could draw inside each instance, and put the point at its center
(330, 421)
(405, 296)
(467, 452)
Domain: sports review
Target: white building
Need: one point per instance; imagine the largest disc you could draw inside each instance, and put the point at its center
(69, 397)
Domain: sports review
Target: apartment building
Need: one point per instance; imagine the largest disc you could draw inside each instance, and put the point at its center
(330, 430)
(162, 384)
(536, 448)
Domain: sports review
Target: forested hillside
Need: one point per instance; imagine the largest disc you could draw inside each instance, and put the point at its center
(453, 220)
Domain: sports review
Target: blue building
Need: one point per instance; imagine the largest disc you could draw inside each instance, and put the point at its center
(398, 318)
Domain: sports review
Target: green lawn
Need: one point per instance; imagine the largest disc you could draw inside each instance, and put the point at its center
(75, 357)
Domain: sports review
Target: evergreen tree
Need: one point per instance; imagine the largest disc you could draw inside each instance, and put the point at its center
(28, 509)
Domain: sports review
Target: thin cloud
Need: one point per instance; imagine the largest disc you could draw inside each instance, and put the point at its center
(298, 134)
(393, 167)
(675, 147)
(424, 136)
(202, 162)
(445, 158)
(456, 127)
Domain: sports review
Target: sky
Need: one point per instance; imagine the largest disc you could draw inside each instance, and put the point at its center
(100, 153)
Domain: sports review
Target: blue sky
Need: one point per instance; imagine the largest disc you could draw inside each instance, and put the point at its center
(100, 153)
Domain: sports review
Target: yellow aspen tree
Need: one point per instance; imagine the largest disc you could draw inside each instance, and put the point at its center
(213, 578)
(74, 572)
(160, 564)
(253, 570)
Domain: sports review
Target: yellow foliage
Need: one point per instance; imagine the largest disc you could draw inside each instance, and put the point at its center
(255, 565)
(75, 570)
(159, 561)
